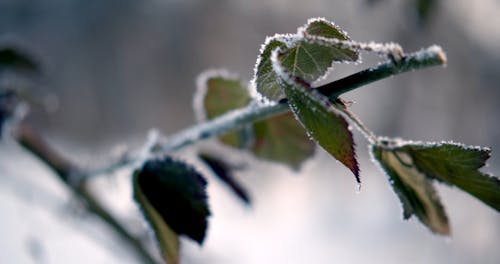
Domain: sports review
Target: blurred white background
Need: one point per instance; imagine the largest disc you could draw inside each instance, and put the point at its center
(122, 67)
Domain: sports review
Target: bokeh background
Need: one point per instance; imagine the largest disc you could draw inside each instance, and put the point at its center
(115, 69)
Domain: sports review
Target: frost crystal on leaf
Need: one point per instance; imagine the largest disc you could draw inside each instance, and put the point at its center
(307, 60)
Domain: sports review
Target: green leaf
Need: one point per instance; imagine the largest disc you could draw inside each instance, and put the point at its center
(279, 138)
(265, 78)
(324, 28)
(167, 238)
(173, 199)
(282, 139)
(218, 93)
(303, 56)
(457, 165)
(224, 172)
(413, 188)
(309, 59)
(319, 117)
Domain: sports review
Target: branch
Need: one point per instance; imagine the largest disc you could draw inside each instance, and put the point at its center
(67, 173)
(256, 111)
(431, 56)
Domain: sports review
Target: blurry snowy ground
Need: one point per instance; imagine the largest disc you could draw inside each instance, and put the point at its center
(316, 216)
(153, 52)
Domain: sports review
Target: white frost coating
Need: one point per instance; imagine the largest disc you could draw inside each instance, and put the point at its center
(280, 71)
(302, 30)
(201, 89)
(231, 120)
(431, 52)
(392, 143)
(253, 83)
(387, 49)
(146, 150)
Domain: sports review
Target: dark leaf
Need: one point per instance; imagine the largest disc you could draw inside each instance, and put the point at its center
(224, 172)
(173, 199)
(413, 188)
(16, 59)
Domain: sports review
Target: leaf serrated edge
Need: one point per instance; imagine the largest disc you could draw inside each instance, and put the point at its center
(301, 30)
(399, 142)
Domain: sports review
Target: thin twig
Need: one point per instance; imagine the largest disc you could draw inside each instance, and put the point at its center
(431, 56)
(67, 172)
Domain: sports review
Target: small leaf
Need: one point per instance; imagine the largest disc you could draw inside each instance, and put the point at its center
(14, 58)
(413, 188)
(458, 165)
(309, 60)
(279, 138)
(265, 78)
(324, 28)
(282, 139)
(173, 199)
(224, 172)
(218, 93)
(328, 128)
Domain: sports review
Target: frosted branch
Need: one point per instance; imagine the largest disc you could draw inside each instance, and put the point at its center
(431, 56)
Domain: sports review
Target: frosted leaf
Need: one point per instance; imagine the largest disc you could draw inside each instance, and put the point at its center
(172, 197)
(413, 188)
(219, 92)
(265, 79)
(458, 165)
(309, 61)
(318, 116)
(321, 27)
